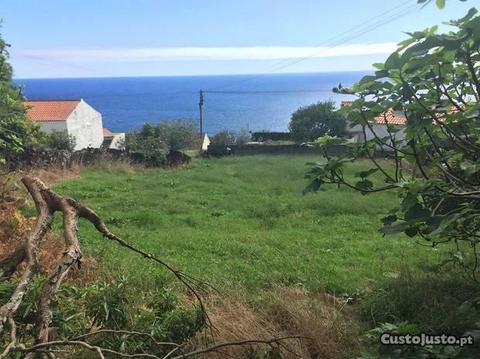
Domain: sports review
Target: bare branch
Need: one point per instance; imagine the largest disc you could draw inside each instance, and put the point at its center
(237, 343)
(123, 332)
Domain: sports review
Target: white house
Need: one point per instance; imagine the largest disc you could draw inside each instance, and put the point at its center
(76, 117)
(379, 125)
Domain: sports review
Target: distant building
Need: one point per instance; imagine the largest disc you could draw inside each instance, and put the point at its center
(379, 126)
(113, 140)
(76, 117)
(205, 142)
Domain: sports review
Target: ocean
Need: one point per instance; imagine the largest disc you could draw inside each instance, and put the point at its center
(253, 102)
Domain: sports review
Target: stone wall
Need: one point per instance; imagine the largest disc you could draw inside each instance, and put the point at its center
(283, 149)
(30, 158)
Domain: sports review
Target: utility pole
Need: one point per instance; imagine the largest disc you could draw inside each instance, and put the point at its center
(200, 106)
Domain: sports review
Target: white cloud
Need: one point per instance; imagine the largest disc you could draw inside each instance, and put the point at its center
(199, 53)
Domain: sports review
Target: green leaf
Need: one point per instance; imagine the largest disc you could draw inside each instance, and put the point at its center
(411, 231)
(389, 220)
(314, 186)
(440, 3)
(364, 185)
(416, 213)
(364, 174)
(393, 61)
(381, 74)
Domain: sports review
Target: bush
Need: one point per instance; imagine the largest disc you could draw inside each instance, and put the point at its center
(114, 305)
(242, 137)
(154, 142)
(223, 138)
(314, 121)
(60, 140)
(228, 138)
(271, 136)
(219, 145)
(178, 135)
(148, 144)
(149, 150)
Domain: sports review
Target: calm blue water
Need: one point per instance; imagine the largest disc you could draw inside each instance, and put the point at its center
(127, 103)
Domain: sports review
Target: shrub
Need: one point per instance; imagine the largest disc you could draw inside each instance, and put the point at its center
(228, 138)
(311, 122)
(243, 137)
(178, 135)
(153, 142)
(223, 138)
(60, 140)
(113, 305)
(272, 136)
(148, 144)
(220, 142)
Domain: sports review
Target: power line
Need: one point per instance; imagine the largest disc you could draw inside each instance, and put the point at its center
(265, 91)
(360, 33)
(352, 29)
(365, 27)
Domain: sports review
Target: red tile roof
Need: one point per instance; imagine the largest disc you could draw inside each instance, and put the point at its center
(391, 117)
(345, 103)
(107, 132)
(50, 110)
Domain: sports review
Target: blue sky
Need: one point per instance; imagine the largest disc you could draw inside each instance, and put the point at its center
(97, 38)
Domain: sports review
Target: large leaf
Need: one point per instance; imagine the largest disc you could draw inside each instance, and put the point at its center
(313, 186)
(440, 3)
(364, 174)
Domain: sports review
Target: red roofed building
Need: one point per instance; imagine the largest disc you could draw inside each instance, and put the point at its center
(390, 117)
(378, 126)
(46, 111)
(75, 117)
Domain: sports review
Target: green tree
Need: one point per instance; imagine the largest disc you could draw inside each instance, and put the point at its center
(16, 132)
(178, 134)
(311, 122)
(147, 142)
(434, 80)
(156, 141)
(169, 135)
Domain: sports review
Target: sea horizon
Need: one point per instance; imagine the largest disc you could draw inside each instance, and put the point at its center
(232, 102)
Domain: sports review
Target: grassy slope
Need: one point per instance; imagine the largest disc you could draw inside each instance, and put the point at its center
(243, 223)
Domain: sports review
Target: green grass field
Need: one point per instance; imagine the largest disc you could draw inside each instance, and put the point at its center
(242, 223)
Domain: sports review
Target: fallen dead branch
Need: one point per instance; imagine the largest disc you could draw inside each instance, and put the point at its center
(273, 342)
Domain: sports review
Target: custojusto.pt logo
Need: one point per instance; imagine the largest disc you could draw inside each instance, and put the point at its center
(425, 339)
